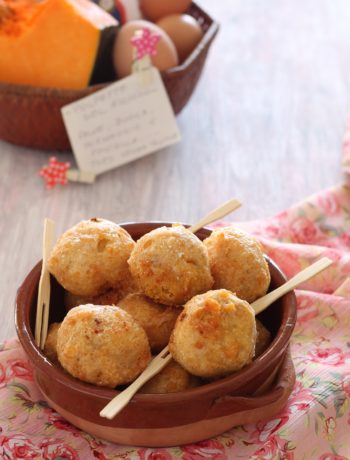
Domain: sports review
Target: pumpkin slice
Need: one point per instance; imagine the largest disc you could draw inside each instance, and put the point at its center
(55, 43)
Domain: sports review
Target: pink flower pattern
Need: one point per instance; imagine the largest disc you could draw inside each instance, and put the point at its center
(332, 457)
(315, 422)
(328, 356)
(300, 400)
(329, 204)
(345, 238)
(275, 447)
(305, 231)
(18, 446)
(346, 384)
(20, 368)
(154, 454)
(52, 449)
(307, 310)
(264, 430)
(208, 450)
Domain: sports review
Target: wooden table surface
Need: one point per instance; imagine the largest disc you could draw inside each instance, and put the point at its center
(265, 124)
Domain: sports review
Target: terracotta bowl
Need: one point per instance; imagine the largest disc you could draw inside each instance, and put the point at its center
(256, 392)
(31, 116)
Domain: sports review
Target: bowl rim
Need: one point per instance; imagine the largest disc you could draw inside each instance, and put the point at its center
(213, 389)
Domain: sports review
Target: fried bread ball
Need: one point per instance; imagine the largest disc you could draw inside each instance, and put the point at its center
(102, 345)
(214, 335)
(263, 338)
(50, 348)
(172, 379)
(158, 321)
(237, 263)
(128, 285)
(170, 265)
(91, 257)
(111, 297)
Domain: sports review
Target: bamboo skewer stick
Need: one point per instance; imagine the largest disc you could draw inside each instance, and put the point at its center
(217, 214)
(43, 303)
(159, 362)
(119, 402)
(309, 272)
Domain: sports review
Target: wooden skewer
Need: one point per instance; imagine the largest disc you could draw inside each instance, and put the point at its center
(217, 214)
(160, 361)
(43, 303)
(120, 401)
(309, 272)
(42, 317)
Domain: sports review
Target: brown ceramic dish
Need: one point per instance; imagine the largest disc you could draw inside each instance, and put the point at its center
(256, 392)
(31, 116)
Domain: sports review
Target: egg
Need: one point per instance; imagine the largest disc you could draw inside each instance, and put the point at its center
(184, 31)
(157, 9)
(165, 58)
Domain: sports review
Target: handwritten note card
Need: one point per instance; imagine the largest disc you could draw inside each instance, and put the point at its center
(124, 121)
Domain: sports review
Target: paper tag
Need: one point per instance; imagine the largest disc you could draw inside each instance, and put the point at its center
(120, 123)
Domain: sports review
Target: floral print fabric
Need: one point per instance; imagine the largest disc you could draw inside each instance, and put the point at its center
(315, 424)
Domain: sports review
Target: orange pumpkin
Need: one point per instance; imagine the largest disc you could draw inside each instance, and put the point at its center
(55, 43)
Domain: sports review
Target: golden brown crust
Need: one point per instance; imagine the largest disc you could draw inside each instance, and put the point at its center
(110, 297)
(170, 265)
(102, 345)
(263, 339)
(172, 379)
(127, 285)
(214, 335)
(50, 348)
(91, 257)
(237, 263)
(157, 320)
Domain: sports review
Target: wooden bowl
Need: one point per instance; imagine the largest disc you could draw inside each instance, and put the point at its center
(31, 116)
(256, 392)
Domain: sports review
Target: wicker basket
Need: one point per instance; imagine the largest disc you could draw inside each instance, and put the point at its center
(31, 116)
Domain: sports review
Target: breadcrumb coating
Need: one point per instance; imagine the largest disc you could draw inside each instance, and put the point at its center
(50, 348)
(172, 379)
(237, 263)
(170, 265)
(157, 320)
(263, 338)
(91, 257)
(102, 345)
(214, 335)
